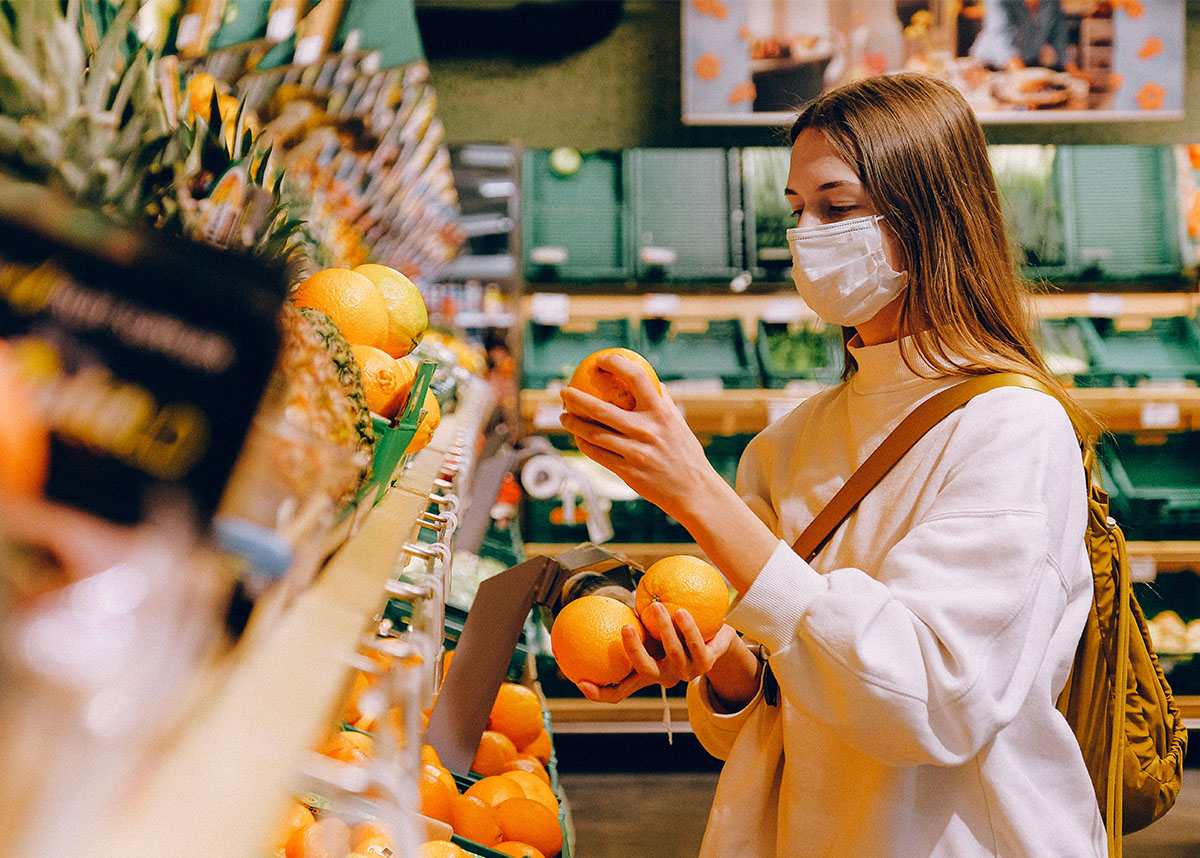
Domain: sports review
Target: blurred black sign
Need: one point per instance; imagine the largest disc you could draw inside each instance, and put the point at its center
(150, 354)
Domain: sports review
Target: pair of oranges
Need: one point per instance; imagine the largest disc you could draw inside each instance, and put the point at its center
(586, 635)
(382, 314)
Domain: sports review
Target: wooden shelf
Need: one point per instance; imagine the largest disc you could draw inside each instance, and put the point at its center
(730, 412)
(1132, 308)
(631, 715)
(218, 786)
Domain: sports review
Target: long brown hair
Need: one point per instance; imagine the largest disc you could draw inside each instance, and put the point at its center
(922, 157)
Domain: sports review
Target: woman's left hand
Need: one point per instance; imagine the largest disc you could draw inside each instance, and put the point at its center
(651, 448)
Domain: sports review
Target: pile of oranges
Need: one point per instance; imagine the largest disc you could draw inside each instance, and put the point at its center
(510, 807)
(382, 314)
(586, 635)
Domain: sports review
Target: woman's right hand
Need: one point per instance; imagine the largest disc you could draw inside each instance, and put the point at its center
(680, 655)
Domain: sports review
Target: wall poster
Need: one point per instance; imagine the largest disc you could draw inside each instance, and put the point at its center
(756, 62)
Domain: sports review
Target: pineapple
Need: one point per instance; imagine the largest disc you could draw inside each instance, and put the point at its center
(90, 123)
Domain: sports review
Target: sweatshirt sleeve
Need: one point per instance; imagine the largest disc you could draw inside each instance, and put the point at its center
(925, 659)
(716, 731)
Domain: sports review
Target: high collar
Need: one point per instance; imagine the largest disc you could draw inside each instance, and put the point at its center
(881, 368)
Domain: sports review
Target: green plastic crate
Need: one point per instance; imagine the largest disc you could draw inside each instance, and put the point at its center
(798, 352)
(1168, 350)
(768, 215)
(718, 352)
(573, 225)
(1154, 488)
(551, 353)
(1063, 348)
(685, 203)
(464, 782)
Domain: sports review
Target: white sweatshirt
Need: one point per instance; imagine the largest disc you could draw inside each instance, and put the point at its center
(919, 657)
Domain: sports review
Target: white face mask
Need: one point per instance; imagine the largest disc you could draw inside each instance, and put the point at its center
(841, 272)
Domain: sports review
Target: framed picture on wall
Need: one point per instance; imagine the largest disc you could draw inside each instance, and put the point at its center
(757, 62)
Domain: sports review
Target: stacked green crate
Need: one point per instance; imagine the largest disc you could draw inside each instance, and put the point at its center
(1167, 350)
(1063, 348)
(798, 351)
(551, 352)
(768, 214)
(573, 216)
(717, 353)
(1153, 484)
(685, 212)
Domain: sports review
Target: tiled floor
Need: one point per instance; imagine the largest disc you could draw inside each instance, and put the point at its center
(643, 812)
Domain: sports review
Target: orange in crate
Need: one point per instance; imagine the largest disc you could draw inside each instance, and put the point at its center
(494, 789)
(528, 763)
(518, 849)
(539, 748)
(475, 820)
(325, 838)
(517, 713)
(436, 794)
(495, 751)
(529, 821)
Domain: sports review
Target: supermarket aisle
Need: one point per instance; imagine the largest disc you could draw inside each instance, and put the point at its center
(626, 814)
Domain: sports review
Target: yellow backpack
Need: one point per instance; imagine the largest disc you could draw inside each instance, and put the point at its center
(1116, 700)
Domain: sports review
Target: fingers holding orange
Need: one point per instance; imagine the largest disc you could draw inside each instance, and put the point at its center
(595, 375)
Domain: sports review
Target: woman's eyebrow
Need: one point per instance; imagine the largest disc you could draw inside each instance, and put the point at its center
(828, 186)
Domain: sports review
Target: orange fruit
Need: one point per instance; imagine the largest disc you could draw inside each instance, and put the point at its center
(494, 789)
(297, 816)
(386, 381)
(429, 754)
(528, 763)
(475, 820)
(325, 838)
(517, 713)
(436, 794)
(586, 639)
(348, 746)
(590, 378)
(354, 303)
(407, 315)
(431, 421)
(441, 849)
(529, 821)
(24, 435)
(540, 748)
(519, 849)
(370, 838)
(534, 788)
(683, 581)
(495, 751)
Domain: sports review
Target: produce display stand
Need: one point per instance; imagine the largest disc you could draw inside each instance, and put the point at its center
(224, 776)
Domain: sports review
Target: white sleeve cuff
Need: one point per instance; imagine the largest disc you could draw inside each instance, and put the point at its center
(773, 607)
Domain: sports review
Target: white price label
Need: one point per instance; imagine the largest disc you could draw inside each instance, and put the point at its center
(1160, 415)
(281, 24)
(1142, 568)
(546, 415)
(1101, 305)
(550, 308)
(783, 310)
(659, 305)
(308, 50)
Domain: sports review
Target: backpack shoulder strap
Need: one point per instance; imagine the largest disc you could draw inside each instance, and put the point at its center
(923, 418)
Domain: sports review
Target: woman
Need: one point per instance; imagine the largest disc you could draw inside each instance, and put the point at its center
(919, 656)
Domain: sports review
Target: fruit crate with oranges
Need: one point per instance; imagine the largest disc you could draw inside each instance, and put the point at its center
(551, 352)
(394, 438)
(717, 353)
